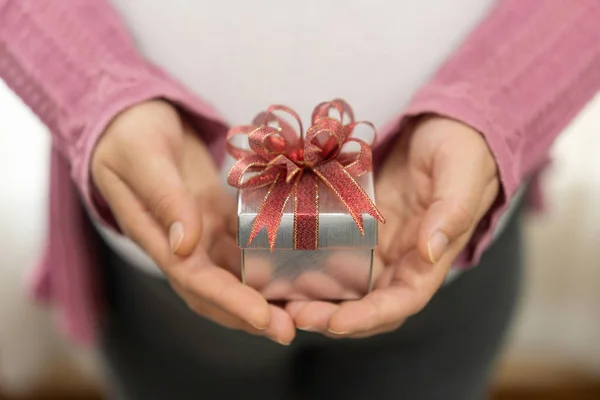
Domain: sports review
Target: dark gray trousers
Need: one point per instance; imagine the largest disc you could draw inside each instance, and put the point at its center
(156, 349)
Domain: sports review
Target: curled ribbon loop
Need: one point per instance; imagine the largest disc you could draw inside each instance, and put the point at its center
(271, 153)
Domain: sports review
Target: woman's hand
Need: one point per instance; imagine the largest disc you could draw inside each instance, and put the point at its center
(436, 185)
(165, 193)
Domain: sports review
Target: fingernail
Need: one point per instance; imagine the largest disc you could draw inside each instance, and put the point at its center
(339, 332)
(438, 242)
(176, 236)
(260, 328)
(281, 342)
(258, 319)
(307, 328)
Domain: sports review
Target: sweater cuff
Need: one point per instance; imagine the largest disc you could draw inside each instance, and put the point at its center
(151, 84)
(444, 102)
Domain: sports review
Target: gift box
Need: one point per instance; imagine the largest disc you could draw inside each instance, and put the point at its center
(307, 221)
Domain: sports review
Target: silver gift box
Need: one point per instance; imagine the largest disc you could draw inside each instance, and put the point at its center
(340, 269)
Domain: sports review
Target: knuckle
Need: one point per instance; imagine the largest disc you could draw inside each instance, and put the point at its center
(462, 217)
(161, 203)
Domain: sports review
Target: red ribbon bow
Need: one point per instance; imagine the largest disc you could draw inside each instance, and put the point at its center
(292, 163)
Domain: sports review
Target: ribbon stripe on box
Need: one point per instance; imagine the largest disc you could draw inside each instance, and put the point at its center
(292, 162)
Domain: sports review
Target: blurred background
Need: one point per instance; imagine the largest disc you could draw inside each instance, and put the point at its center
(553, 351)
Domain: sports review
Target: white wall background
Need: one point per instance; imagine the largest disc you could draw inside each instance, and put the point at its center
(560, 318)
(30, 349)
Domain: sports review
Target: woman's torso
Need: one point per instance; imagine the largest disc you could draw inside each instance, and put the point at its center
(241, 56)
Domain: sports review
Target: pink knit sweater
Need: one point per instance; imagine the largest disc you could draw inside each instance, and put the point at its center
(518, 78)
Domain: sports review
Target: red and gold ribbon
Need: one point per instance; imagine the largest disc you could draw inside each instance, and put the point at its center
(291, 163)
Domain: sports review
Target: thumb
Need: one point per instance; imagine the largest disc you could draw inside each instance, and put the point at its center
(458, 188)
(158, 184)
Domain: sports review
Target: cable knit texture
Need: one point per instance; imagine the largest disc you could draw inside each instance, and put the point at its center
(518, 78)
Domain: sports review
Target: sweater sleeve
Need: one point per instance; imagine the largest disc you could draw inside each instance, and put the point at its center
(75, 65)
(519, 78)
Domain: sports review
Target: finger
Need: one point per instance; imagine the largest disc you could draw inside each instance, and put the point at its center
(153, 176)
(212, 312)
(388, 234)
(380, 308)
(227, 254)
(276, 290)
(411, 286)
(232, 223)
(258, 273)
(399, 233)
(224, 204)
(281, 328)
(217, 212)
(198, 275)
(403, 239)
(353, 270)
(312, 316)
(213, 228)
(458, 186)
(294, 307)
(360, 335)
(132, 217)
(320, 285)
(385, 278)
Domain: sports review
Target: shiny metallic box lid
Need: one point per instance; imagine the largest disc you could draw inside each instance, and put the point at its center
(337, 229)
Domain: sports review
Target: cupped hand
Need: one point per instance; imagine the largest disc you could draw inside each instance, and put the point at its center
(437, 183)
(164, 190)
